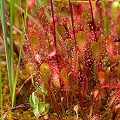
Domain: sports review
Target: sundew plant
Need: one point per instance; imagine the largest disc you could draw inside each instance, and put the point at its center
(73, 55)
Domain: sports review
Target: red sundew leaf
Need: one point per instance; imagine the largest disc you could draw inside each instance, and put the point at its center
(117, 107)
(42, 19)
(118, 29)
(18, 92)
(41, 13)
(68, 45)
(37, 57)
(61, 30)
(81, 41)
(30, 3)
(56, 80)
(52, 54)
(45, 72)
(64, 76)
(34, 39)
(8, 87)
(94, 8)
(51, 23)
(95, 49)
(101, 76)
(78, 9)
(109, 47)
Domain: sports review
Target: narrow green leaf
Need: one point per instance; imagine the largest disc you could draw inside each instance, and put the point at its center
(11, 41)
(23, 32)
(6, 44)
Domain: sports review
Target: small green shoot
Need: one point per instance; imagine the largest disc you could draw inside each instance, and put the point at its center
(39, 107)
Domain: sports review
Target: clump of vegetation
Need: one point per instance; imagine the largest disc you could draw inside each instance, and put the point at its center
(72, 50)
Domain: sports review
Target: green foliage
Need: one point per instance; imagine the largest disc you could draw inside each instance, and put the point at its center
(3, 20)
(39, 107)
(23, 33)
(41, 91)
(33, 100)
(47, 107)
(75, 68)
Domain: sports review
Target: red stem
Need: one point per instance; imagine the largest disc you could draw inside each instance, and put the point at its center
(54, 103)
(54, 33)
(72, 21)
(113, 87)
(79, 85)
(84, 88)
(87, 74)
(85, 82)
(98, 5)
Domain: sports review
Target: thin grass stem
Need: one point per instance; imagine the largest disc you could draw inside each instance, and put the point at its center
(35, 21)
(11, 42)
(23, 32)
(2, 11)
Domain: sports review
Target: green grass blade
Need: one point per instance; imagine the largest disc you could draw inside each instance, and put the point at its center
(5, 42)
(1, 105)
(35, 21)
(23, 32)
(11, 41)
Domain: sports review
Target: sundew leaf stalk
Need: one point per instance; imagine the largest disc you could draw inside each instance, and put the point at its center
(103, 87)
